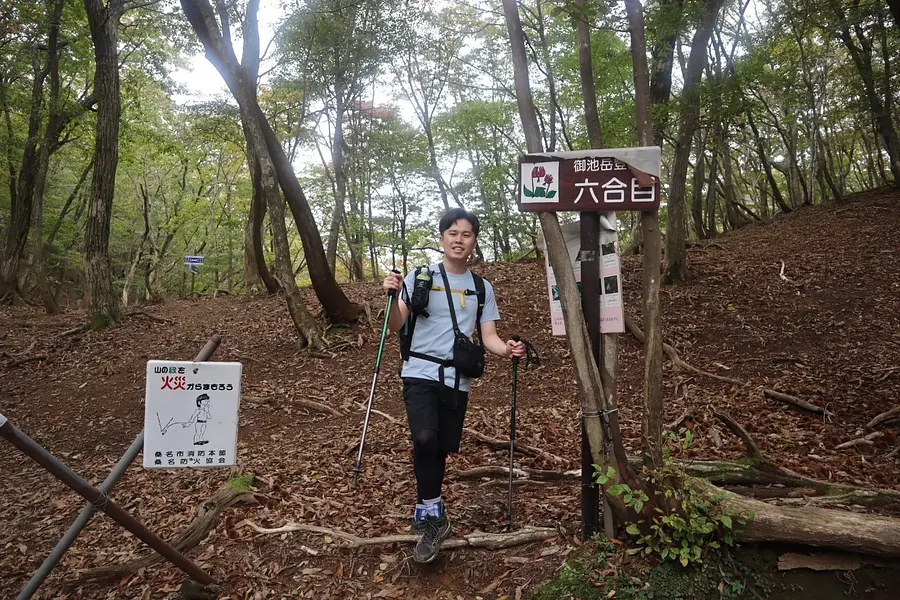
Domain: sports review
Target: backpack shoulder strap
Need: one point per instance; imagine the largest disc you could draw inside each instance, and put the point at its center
(480, 297)
(449, 298)
(406, 332)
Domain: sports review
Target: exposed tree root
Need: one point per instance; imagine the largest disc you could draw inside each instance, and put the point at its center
(478, 539)
(141, 313)
(889, 415)
(798, 402)
(522, 448)
(739, 431)
(208, 514)
(635, 330)
(310, 404)
(863, 441)
(492, 471)
(73, 331)
(21, 361)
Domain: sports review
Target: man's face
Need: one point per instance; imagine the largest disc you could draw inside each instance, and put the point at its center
(459, 240)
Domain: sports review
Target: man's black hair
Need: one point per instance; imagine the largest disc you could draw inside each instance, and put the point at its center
(455, 214)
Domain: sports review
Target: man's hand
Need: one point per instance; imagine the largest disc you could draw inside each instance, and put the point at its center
(515, 349)
(393, 283)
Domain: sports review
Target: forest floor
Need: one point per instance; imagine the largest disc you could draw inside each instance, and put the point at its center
(829, 333)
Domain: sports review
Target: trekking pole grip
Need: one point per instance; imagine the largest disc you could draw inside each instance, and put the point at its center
(515, 359)
(393, 293)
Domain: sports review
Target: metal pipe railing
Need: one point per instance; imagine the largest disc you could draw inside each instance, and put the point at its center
(105, 488)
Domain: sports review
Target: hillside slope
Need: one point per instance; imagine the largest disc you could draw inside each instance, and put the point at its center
(830, 335)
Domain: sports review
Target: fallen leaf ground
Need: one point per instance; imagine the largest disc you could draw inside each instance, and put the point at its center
(830, 334)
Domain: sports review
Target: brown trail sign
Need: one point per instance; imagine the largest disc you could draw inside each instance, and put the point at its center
(591, 182)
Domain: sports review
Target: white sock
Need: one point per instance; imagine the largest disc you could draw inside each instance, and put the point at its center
(433, 506)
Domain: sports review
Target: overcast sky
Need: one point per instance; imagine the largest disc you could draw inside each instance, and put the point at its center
(200, 78)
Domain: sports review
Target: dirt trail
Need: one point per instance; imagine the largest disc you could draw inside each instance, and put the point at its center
(829, 335)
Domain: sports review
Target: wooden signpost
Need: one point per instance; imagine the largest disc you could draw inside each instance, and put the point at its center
(591, 182)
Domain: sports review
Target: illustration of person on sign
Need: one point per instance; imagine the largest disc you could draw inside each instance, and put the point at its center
(199, 420)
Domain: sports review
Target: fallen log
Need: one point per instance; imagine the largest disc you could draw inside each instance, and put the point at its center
(745, 474)
(811, 526)
(478, 539)
(208, 514)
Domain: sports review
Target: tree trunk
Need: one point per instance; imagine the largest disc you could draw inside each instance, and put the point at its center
(651, 429)
(21, 190)
(609, 342)
(303, 320)
(689, 108)
(39, 263)
(711, 198)
(51, 139)
(257, 217)
(220, 53)
(252, 280)
(735, 219)
(697, 187)
(812, 526)
(69, 200)
(587, 373)
(767, 167)
(663, 57)
(586, 75)
(145, 195)
(103, 303)
(862, 58)
(340, 178)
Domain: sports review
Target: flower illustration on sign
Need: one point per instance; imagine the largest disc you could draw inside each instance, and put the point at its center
(541, 184)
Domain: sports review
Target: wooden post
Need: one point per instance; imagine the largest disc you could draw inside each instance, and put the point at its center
(590, 305)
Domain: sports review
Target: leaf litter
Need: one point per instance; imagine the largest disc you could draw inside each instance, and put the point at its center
(828, 336)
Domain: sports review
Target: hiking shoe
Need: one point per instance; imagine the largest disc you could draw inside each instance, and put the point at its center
(417, 527)
(436, 530)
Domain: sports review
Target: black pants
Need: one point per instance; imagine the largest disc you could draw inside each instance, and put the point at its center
(436, 414)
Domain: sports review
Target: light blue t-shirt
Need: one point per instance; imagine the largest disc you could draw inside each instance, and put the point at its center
(433, 335)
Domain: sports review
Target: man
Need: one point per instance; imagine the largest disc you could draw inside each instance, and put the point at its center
(435, 395)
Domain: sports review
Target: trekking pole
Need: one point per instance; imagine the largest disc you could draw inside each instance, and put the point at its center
(358, 469)
(512, 436)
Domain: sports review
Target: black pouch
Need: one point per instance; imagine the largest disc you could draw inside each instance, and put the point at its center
(468, 357)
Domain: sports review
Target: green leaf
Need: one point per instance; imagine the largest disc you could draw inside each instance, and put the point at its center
(551, 193)
(528, 193)
(726, 521)
(633, 529)
(683, 560)
(540, 192)
(617, 490)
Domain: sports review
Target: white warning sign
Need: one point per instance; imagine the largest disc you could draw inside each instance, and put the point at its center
(191, 414)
